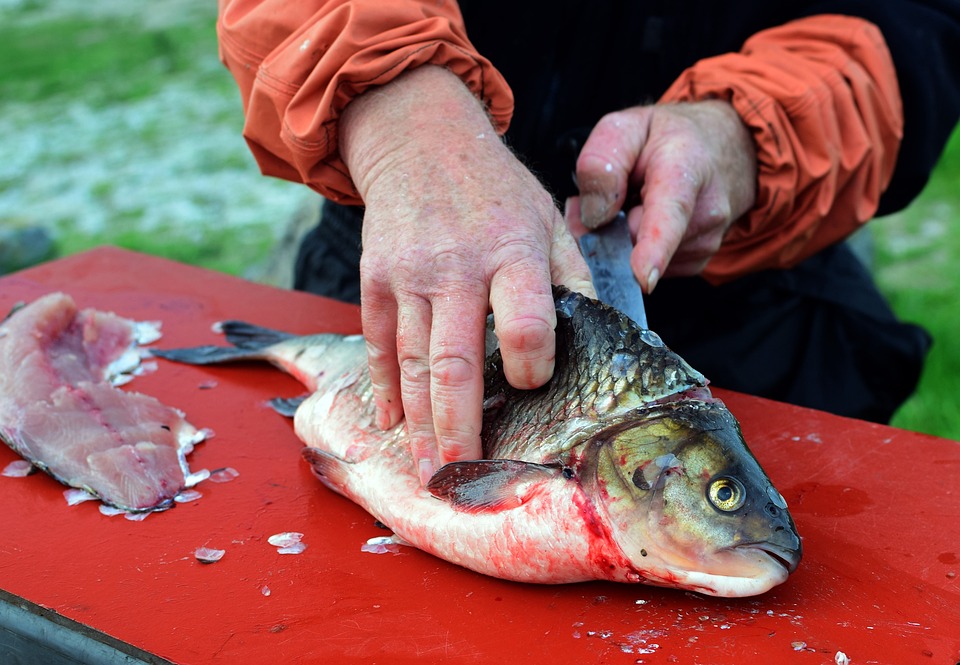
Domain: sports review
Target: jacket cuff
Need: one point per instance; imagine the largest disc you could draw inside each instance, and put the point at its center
(821, 99)
(295, 91)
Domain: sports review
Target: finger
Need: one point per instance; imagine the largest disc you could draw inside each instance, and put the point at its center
(694, 254)
(606, 162)
(669, 199)
(567, 266)
(378, 314)
(413, 356)
(525, 318)
(456, 373)
(572, 217)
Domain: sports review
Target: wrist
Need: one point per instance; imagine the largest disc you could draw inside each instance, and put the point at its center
(425, 111)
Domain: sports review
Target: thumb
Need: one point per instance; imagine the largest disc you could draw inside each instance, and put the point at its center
(606, 163)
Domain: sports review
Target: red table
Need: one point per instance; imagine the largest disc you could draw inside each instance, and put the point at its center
(878, 509)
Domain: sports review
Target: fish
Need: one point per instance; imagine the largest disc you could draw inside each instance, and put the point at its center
(623, 467)
(61, 408)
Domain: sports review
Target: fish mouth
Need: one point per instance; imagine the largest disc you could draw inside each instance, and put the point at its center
(787, 557)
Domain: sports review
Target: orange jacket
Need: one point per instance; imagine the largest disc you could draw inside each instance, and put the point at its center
(819, 94)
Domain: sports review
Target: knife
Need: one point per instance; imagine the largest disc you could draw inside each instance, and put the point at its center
(607, 253)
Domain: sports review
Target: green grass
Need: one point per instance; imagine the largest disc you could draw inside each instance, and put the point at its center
(917, 254)
(107, 61)
(67, 77)
(228, 250)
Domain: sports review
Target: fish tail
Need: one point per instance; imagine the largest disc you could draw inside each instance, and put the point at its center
(207, 355)
(249, 336)
(249, 343)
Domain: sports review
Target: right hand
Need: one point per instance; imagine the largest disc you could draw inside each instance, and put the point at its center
(455, 226)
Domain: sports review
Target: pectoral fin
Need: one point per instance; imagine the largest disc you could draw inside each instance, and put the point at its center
(328, 468)
(490, 485)
(287, 406)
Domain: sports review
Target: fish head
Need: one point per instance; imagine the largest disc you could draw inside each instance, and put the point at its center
(688, 504)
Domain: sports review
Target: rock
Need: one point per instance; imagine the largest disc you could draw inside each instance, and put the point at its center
(22, 248)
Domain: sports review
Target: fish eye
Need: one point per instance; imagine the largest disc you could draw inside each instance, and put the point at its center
(726, 494)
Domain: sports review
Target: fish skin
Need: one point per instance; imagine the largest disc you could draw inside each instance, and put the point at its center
(604, 473)
(61, 411)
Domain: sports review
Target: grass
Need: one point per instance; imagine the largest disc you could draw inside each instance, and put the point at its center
(917, 251)
(121, 127)
(108, 61)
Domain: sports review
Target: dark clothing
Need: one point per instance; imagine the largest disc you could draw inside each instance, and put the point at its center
(328, 262)
(817, 335)
(569, 62)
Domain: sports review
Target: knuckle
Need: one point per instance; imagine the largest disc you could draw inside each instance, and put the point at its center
(414, 371)
(379, 355)
(525, 337)
(454, 448)
(515, 256)
(452, 372)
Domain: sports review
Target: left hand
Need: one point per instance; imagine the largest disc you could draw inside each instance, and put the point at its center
(695, 169)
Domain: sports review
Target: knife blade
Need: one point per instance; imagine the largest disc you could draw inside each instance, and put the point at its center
(607, 253)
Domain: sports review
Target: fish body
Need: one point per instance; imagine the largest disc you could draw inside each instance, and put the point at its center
(61, 411)
(622, 467)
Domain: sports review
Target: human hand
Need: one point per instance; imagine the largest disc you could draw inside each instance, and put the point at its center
(454, 226)
(694, 167)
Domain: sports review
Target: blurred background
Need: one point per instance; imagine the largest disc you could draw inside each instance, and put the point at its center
(119, 125)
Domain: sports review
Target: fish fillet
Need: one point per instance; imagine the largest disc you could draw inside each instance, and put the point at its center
(60, 409)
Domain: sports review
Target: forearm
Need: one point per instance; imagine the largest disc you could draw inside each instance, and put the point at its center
(295, 90)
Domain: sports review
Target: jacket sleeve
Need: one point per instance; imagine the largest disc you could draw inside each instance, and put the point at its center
(298, 65)
(821, 98)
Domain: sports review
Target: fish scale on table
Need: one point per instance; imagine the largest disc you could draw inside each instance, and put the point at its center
(622, 467)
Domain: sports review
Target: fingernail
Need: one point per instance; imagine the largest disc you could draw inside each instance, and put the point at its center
(593, 208)
(426, 469)
(652, 278)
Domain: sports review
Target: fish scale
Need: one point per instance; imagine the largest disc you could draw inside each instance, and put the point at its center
(642, 373)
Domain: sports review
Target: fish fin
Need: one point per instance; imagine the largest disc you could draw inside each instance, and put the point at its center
(490, 485)
(17, 306)
(287, 406)
(249, 336)
(207, 355)
(328, 468)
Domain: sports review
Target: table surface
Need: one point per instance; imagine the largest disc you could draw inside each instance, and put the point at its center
(877, 507)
